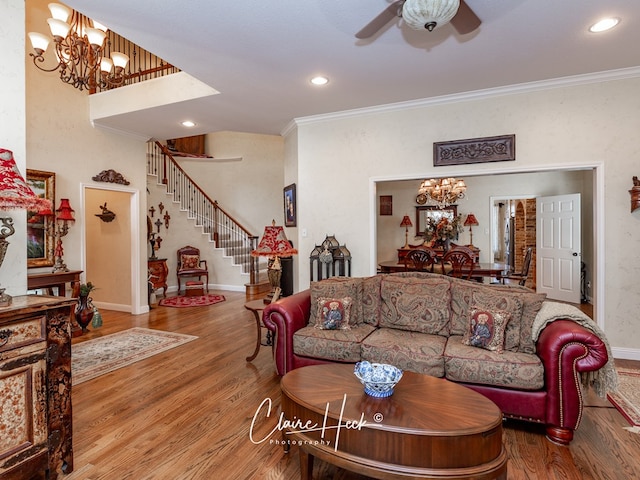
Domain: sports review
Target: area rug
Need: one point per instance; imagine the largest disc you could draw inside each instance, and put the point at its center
(201, 301)
(102, 355)
(627, 398)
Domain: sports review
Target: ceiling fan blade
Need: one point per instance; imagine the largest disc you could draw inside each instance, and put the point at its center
(465, 20)
(393, 10)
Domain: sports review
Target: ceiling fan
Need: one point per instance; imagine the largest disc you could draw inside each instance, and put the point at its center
(425, 14)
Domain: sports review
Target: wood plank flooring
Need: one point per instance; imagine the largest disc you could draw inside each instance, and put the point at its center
(186, 414)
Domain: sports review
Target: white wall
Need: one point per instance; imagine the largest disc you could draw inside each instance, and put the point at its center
(592, 123)
(13, 273)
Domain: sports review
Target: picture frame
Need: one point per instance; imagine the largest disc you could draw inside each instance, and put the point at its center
(40, 229)
(475, 150)
(425, 212)
(290, 207)
(386, 204)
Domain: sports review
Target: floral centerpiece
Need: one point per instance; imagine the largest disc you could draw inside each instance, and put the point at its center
(443, 230)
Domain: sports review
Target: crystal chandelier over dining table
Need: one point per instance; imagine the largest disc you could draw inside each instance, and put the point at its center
(441, 192)
(79, 48)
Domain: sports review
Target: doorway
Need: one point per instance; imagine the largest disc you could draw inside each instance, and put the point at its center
(111, 248)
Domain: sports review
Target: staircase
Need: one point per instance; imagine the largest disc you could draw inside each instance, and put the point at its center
(223, 230)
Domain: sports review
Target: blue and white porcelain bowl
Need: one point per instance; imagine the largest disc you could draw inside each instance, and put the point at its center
(379, 379)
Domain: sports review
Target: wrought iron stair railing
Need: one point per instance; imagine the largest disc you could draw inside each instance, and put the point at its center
(223, 230)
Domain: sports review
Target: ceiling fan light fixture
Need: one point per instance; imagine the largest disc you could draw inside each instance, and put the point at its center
(429, 14)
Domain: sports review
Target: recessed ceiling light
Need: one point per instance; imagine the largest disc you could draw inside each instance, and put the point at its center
(188, 123)
(319, 80)
(604, 24)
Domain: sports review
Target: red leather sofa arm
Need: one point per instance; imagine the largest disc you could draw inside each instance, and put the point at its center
(284, 318)
(566, 350)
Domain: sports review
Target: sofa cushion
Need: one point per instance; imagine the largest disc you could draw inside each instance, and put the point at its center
(335, 345)
(465, 294)
(485, 329)
(531, 304)
(412, 351)
(337, 287)
(514, 370)
(371, 300)
(418, 305)
(333, 313)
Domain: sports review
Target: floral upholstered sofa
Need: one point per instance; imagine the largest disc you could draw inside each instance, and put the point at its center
(528, 355)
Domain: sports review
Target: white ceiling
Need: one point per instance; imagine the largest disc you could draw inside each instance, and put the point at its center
(261, 54)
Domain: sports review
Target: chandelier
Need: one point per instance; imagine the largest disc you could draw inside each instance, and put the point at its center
(79, 47)
(441, 192)
(429, 14)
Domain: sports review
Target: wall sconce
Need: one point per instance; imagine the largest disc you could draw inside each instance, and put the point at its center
(106, 215)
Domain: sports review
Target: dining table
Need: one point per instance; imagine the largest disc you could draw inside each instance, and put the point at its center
(480, 270)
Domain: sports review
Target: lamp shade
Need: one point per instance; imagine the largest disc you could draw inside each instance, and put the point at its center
(274, 243)
(64, 211)
(14, 191)
(429, 14)
(406, 222)
(471, 220)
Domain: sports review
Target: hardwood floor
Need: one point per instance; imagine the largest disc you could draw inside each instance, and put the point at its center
(186, 413)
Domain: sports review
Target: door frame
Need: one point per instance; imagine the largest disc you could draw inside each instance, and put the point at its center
(134, 229)
(598, 215)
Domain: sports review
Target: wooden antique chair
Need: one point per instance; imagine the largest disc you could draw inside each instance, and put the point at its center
(520, 277)
(190, 265)
(420, 259)
(461, 261)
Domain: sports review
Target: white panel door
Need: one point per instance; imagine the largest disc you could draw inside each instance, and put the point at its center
(558, 245)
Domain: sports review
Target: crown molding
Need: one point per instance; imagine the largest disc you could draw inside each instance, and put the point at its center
(561, 82)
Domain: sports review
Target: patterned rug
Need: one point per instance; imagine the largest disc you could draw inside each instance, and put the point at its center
(201, 301)
(627, 398)
(102, 355)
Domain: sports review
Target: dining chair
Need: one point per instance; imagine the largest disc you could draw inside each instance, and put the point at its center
(461, 261)
(421, 259)
(521, 276)
(190, 265)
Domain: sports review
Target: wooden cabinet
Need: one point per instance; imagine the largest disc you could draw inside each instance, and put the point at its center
(35, 387)
(158, 272)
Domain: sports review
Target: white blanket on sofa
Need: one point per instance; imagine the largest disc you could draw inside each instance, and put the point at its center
(603, 380)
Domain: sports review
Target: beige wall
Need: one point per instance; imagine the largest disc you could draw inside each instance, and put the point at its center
(108, 248)
(340, 160)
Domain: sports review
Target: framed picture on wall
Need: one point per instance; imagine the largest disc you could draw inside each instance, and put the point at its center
(40, 227)
(289, 194)
(386, 205)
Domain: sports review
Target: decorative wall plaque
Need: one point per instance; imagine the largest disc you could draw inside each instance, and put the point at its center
(474, 150)
(110, 176)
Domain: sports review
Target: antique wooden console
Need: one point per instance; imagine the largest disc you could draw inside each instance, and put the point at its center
(35, 387)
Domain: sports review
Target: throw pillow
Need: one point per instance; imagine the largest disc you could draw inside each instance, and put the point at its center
(189, 262)
(338, 287)
(486, 329)
(334, 313)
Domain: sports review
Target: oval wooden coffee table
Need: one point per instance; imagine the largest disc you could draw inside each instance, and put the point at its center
(429, 428)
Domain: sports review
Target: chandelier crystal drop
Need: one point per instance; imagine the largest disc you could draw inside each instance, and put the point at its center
(429, 14)
(441, 192)
(79, 49)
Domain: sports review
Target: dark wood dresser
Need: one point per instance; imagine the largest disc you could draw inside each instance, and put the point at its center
(35, 387)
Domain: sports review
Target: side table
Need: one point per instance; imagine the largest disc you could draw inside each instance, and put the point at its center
(257, 306)
(158, 272)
